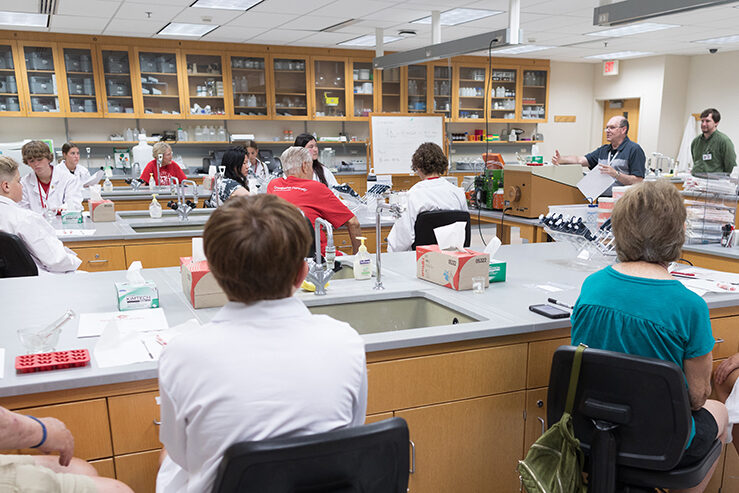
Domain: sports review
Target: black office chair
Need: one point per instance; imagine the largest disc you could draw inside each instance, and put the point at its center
(365, 459)
(428, 220)
(15, 261)
(632, 417)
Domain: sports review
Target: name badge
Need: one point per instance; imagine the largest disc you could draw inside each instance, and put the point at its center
(706, 157)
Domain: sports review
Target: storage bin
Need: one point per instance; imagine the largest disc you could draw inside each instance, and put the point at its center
(148, 63)
(41, 84)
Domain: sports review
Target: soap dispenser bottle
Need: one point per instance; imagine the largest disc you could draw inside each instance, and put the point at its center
(362, 262)
(107, 185)
(155, 210)
(151, 182)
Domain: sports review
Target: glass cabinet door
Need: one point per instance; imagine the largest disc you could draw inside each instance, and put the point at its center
(9, 98)
(442, 90)
(81, 90)
(42, 79)
(248, 80)
(117, 85)
(330, 88)
(391, 90)
(205, 85)
(417, 88)
(534, 97)
(503, 94)
(290, 83)
(364, 89)
(471, 93)
(159, 83)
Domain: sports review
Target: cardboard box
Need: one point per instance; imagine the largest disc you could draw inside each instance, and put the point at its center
(135, 297)
(199, 285)
(451, 268)
(102, 211)
(497, 270)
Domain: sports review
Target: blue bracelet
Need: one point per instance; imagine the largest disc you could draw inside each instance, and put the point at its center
(43, 430)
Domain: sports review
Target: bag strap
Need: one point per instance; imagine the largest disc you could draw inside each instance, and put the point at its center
(574, 377)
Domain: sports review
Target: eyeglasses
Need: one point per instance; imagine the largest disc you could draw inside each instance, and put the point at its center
(612, 127)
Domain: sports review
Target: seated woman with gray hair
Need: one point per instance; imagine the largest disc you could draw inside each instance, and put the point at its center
(167, 169)
(622, 307)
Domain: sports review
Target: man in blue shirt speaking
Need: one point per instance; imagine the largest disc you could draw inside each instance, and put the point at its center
(621, 158)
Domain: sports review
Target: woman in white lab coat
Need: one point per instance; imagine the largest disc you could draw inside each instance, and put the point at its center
(48, 187)
(256, 166)
(430, 194)
(71, 160)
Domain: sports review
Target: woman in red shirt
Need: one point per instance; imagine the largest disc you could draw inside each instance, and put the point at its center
(168, 168)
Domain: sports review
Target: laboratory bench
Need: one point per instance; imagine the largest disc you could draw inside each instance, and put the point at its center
(473, 392)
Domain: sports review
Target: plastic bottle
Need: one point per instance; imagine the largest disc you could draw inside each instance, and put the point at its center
(155, 210)
(198, 133)
(362, 262)
(180, 134)
(107, 185)
(591, 218)
(151, 182)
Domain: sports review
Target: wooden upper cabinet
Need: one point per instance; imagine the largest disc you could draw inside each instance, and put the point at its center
(42, 82)
(470, 92)
(331, 92)
(417, 88)
(362, 88)
(83, 81)
(535, 91)
(249, 82)
(392, 90)
(504, 88)
(290, 95)
(206, 92)
(160, 83)
(10, 81)
(120, 97)
(441, 90)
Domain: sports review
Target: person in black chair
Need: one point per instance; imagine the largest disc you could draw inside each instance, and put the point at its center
(432, 193)
(637, 307)
(265, 367)
(37, 235)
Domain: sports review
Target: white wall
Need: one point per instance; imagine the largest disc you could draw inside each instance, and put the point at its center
(672, 118)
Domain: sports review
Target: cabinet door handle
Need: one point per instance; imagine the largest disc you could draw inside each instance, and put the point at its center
(543, 425)
(157, 423)
(101, 261)
(413, 457)
(719, 341)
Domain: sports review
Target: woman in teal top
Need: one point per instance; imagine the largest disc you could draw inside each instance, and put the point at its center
(636, 307)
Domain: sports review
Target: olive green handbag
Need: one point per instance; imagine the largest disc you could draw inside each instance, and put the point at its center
(554, 463)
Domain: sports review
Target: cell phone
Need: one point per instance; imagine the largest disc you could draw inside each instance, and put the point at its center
(549, 311)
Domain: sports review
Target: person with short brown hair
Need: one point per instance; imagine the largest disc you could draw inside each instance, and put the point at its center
(71, 154)
(621, 308)
(432, 193)
(265, 367)
(712, 151)
(50, 186)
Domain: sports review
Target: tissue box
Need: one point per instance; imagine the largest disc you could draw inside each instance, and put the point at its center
(134, 297)
(450, 268)
(497, 270)
(102, 211)
(72, 217)
(199, 285)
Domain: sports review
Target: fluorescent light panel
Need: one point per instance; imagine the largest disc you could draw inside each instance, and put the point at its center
(620, 54)
(369, 40)
(724, 40)
(459, 16)
(226, 4)
(185, 29)
(644, 27)
(516, 49)
(24, 19)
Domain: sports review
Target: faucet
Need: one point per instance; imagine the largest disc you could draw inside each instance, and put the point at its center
(185, 207)
(174, 185)
(321, 272)
(159, 164)
(395, 210)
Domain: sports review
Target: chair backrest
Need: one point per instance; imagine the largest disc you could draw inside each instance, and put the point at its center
(15, 261)
(372, 458)
(428, 220)
(646, 397)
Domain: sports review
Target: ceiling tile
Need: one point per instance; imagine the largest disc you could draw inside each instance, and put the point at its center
(16, 6)
(119, 27)
(88, 8)
(138, 11)
(294, 7)
(218, 16)
(312, 22)
(232, 34)
(397, 14)
(282, 36)
(326, 39)
(351, 9)
(259, 19)
(78, 24)
(176, 3)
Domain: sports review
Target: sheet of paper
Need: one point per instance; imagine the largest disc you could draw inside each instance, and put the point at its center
(595, 183)
(93, 324)
(74, 232)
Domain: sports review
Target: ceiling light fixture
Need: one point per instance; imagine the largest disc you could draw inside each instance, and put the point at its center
(23, 19)
(185, 29)
(628, 11)
(619, 55)
(455, 17)
(226, 4)
(723, 40)
(516, 49)
(337, 27)
(369, 40)
(644, 27)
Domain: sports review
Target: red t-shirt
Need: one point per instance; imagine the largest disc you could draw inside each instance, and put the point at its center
(314, 199)
(172, 169)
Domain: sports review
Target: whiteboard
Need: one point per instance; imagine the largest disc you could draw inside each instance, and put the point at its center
(396, 138)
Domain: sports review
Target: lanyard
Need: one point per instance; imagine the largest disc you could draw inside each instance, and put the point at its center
(611, 158)
(40, 194)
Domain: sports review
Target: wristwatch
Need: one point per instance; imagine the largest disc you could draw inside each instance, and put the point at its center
(618, 173)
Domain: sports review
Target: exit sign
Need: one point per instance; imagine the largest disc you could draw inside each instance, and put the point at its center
(610, 67)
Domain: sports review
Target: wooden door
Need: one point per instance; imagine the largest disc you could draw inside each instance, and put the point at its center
(628, 108)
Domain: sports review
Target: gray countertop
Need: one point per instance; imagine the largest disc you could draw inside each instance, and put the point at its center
(713, 249)
(534, 273)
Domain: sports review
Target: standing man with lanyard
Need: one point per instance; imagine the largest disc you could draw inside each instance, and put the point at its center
(622, 159)
(713, 151)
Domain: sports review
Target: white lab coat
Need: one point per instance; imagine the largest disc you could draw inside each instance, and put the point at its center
(80, 172)
(64, 189)
(262, 171)
(426, 195)
(47, 251)
(266, 370)
(330, 178)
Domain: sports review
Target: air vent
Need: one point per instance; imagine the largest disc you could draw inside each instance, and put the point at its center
(47, 6)
(336, 27)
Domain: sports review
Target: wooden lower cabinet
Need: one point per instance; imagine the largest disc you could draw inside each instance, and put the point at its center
(133, 422)
(104, 467)
(139, 470)
(357, 182)
(731, 470)
(165, 254)
(96, 259)
(535, 417)
(374, 418)
(471, 445)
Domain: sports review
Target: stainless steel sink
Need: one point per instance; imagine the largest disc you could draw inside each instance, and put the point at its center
(391, 314)
(346, 272)
(165, 228)
(166, 213)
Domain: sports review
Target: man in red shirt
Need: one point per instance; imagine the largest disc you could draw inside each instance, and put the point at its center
(312, 197)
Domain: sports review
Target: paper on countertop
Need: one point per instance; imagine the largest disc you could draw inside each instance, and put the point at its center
(93, 324)
(451, 236)
(74, 232)
(703, 286)
(594, 183)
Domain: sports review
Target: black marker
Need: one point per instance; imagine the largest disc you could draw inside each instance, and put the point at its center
(552, 300)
